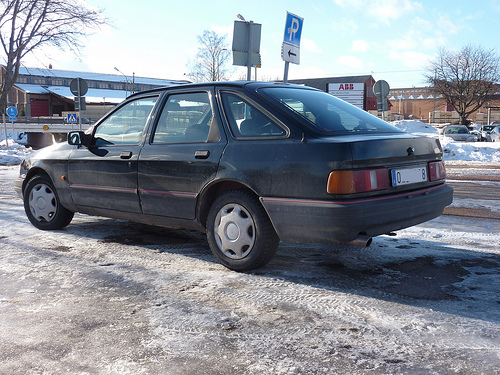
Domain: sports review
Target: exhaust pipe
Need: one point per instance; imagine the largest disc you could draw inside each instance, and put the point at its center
(362, 241)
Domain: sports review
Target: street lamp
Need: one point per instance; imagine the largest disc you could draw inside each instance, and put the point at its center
(126, 81)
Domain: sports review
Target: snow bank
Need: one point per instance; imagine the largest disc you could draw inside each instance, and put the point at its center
(463, 151)
(14, 155)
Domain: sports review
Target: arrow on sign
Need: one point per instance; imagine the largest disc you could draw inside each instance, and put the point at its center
(290, 53)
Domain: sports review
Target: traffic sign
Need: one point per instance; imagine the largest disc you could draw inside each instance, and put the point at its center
(80, 104)
(12, 112)
(293, 29)
(290, 53)
(72, 118)
(78, 86)
(381, 88)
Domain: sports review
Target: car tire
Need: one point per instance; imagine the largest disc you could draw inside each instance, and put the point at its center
(239, 232)
(42, 205)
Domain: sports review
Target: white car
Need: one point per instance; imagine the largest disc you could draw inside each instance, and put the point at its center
(459, 133)
(494, 134)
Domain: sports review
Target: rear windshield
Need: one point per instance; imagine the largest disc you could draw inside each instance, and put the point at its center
(327, 113)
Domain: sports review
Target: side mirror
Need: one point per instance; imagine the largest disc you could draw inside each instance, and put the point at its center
(79, 138)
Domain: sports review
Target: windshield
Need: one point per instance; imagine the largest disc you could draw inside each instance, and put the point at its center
(327, 113)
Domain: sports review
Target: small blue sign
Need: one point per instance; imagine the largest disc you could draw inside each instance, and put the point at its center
(12, 112)
(293, 29)
(71, 118)
(12, 118)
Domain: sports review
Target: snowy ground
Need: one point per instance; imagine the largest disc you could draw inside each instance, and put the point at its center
(110, 297)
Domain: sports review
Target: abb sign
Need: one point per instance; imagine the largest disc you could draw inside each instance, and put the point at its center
(346, 86)
(350, 92)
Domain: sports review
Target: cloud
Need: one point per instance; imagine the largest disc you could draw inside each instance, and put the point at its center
(350, 61)
(383, 10)
(345, 26)
(308, 45)
(359, 45)
(411, 59)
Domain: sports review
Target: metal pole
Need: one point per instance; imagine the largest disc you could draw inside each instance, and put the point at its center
(250, 48)
(5, 128)
(79, 105)
(285, 75)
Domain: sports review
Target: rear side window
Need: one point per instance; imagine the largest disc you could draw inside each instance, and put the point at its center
(327, 113)
(247, 121)
(185, 118)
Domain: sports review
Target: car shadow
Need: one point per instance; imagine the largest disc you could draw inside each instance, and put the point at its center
(419, 273)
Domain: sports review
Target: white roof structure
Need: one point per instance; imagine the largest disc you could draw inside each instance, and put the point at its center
(96, 76)
(93, 95)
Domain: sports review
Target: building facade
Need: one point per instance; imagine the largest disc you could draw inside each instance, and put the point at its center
(420, 103)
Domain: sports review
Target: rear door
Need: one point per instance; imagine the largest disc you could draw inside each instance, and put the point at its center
(182, 154)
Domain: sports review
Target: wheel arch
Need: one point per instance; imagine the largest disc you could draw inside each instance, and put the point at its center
(32, 172)
(211, 192)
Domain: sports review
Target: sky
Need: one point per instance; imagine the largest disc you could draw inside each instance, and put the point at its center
(393, 40)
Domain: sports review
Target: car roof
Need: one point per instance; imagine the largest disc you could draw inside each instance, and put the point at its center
(250, 85)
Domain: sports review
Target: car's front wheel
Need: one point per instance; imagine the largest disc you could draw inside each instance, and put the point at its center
(42, 205)
(240, 233)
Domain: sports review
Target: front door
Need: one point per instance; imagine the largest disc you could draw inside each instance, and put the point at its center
(105, 174)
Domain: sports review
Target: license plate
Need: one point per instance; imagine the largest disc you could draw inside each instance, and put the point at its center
(408, 176)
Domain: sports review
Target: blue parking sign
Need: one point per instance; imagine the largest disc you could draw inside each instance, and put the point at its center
(293, 29)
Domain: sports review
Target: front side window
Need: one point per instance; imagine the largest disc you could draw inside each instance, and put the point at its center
(126, 125)
(327, 113)
(246, 121)
(185, 118)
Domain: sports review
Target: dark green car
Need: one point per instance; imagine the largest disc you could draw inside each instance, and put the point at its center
(249, 163)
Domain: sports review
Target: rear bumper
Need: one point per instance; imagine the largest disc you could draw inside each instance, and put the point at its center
(303, 221)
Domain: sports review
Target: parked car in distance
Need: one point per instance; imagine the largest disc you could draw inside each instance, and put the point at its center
(494, 134)
(249, 163)
(459, 133)
(486, 130)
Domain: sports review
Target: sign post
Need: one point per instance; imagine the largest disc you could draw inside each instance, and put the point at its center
(246, 45)
(79, 87)
(381, 90)
(12, 113)
(290, 49)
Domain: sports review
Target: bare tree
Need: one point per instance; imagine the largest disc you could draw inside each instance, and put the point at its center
(466, 78)
(26, 25)
(212, 58)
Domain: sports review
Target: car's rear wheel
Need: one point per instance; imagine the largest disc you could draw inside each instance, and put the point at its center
(42, 205)
(240, 233)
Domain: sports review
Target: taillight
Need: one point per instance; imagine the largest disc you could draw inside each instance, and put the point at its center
(437, 171)
(357, 181)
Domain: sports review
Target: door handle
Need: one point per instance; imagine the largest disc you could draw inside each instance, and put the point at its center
(125, 154)
(202, 154)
